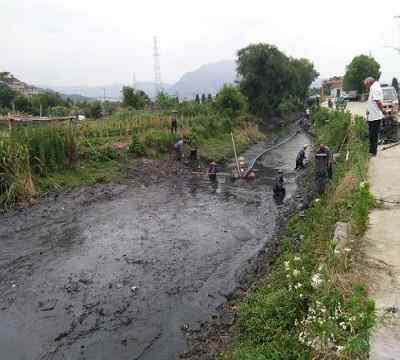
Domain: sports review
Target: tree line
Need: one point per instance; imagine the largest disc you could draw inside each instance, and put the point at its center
(269, 83)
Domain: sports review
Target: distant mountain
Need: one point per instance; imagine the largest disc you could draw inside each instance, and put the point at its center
(208, 79)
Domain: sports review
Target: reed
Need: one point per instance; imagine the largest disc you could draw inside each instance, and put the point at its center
(15, 173)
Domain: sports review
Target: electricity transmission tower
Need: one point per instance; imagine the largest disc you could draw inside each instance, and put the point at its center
(157, 68)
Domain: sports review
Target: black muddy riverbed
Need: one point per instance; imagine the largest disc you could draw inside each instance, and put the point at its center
(118, 271)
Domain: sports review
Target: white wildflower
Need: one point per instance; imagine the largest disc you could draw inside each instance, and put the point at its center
(297, 258)
(339, 349)
(296, 272)
(287, 265)
(347, 250)
(297, 286)
(316, 280)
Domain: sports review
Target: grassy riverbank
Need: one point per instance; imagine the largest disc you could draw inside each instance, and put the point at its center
(314, 304)
(38, 159)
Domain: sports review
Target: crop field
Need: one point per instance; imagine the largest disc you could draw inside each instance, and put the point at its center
(36, 158)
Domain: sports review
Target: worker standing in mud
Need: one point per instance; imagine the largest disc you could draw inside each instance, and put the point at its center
(308, 114)
(174, 123)
(279, 187)
(212, 170)
(301, 158)
(179, 149)
(323, 167)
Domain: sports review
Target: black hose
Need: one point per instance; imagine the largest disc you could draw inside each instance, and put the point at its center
(253, 162)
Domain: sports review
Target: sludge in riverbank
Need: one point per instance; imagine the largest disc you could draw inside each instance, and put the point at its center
(313, 304)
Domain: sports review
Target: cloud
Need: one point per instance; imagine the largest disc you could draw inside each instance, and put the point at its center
(89, 42)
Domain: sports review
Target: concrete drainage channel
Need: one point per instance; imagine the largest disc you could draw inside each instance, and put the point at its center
(125, 270)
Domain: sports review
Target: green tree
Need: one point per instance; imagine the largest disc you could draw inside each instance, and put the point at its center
(129, 97)
(165, 101)
(209, 98)
(58, 111)
(46, 101)
(268, 77)
(23, 104)
(136, 99)
(110, 106)
(203, 98)
(230, 101)
(143, 100)
(303, 75)
(197, 99)
(7, 96)
(358, 70)
(94, 110)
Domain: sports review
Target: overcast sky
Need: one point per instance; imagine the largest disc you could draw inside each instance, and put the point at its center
(96, 42)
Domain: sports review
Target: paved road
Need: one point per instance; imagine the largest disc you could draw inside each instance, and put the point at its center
(383, 247)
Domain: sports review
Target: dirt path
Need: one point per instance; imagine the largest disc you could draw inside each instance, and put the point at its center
(383, 249)
(121, 271)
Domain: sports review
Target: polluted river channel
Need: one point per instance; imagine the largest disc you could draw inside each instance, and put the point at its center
(119, 271)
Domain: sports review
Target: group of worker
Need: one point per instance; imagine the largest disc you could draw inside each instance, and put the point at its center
(323, 170)
(323, 162)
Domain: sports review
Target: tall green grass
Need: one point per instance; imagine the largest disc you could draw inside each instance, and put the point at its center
(15, 173)
(51, 148)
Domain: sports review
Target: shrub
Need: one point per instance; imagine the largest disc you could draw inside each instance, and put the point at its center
(160, 141)
(136, 147)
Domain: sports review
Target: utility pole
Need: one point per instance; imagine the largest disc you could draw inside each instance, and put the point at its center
(133, 80)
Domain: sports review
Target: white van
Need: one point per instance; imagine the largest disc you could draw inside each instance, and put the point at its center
(390, 100)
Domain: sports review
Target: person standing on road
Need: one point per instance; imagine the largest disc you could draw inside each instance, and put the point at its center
(375, 112)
